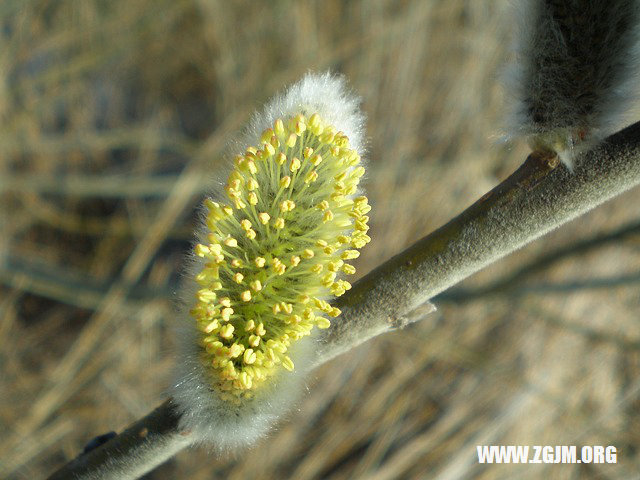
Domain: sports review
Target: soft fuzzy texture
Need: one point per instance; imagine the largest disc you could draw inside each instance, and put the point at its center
(325, 94)
(224, 425)
(576, 72)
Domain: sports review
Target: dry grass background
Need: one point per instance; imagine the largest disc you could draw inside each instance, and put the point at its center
(113, 114)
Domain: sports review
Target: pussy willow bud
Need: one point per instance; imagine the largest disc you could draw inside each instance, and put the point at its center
(270, 257)
(576, 73)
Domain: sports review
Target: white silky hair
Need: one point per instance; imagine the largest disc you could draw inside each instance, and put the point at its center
(327, 95)
(575, 77)
(219, 424)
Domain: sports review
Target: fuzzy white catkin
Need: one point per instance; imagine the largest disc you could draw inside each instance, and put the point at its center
(224, 425)
(576, 72)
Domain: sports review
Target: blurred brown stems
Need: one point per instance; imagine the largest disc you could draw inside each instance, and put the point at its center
(537, 198)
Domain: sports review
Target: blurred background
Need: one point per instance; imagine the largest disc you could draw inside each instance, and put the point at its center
(114, 118)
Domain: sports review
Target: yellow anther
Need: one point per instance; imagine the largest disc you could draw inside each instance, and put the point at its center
(225, 301)
(264, 218)
(348, 269)
(307, 152)
(227, 331)
(256, 285)
(254, 340)
(238, 277)
(350, 254)
(341, 140)
(287, 363)
(285, 182)
(235, 184)
(317, 268)
(304, 299)
(226, 313)
(269, 150)
(245, 380)
(236, 350)
(260, 262)
(308, 253)
(314, 120)
(360, 242)
(323, 205)
(231, 242)
(239, 204)
(252, 184)
(328, 278)
(337, 197)
(291, 140)
(287, 205)
(245, 224)
(211, 326)
(278, 127)
(328, 216)
(294, 166)
(279, 223)
(249, 356)
(311, 177)
(276, 308)
(260, 330)
(335, 265)
(266, 135)
(322, 322)
(295, 260)
(278, 266)
(236, 263)
(281, 158)
(250, 325)
(202, 250)
(229, 371)
(316, 160)
(245, 296)
(251, 234)
(334, 312)
(206, 296)
(321, 243)
(327, 136)
(342, 239)
(252, 198)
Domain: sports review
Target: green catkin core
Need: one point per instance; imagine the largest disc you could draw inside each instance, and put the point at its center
(275, 252)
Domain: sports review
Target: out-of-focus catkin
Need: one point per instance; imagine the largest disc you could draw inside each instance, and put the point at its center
(576, 72)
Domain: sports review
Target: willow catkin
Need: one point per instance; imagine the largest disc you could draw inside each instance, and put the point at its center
(267, 260)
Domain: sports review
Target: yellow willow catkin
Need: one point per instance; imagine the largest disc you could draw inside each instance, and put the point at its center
(275, 253)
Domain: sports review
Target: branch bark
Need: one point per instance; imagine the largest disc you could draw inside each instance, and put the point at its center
(143, 446)
(540, 196)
